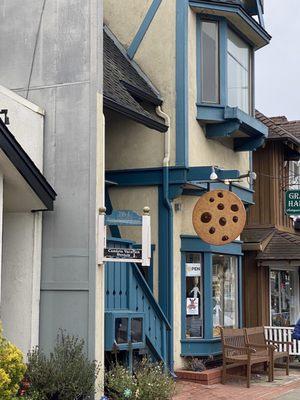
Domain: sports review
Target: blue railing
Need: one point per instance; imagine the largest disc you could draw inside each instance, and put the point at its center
(126, 289)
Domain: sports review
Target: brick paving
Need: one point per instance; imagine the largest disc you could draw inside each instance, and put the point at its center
(283, 388)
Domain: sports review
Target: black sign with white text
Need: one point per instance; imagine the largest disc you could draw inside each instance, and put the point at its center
(131, 254)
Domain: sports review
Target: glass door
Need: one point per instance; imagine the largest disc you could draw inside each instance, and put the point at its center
(284, 297)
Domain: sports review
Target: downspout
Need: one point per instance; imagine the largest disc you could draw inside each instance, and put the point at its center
(168, 205)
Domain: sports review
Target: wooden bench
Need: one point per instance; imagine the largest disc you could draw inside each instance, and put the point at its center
(256, 339)
(237, 352)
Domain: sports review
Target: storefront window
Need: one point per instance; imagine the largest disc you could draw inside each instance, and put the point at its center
(194, 295)
(224, 292)
(284, 297)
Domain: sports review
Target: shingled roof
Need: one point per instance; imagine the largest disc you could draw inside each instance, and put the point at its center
(126, 89)
(278, 130)
(292, 127)
(274, 243)
(282, 246)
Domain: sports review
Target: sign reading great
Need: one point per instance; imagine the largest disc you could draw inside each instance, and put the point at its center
(292, 202)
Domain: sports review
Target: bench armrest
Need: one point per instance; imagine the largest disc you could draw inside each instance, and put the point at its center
(279, 342)
(263, 346)
(247, 349)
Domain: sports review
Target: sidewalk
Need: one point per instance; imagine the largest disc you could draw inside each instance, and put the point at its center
(283, 388)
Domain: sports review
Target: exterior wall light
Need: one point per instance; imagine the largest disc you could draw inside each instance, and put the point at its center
(213, 176)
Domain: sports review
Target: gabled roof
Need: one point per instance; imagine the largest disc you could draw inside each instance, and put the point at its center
(278, 131)
(26, 167)
(126, 89)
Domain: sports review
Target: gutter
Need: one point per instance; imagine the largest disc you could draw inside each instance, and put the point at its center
(168, 205)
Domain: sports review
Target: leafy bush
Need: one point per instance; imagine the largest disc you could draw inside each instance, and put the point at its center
(66, 374)
(153, 382)
(149, 382)
(196, 364)
(120, 383)
(12, 368)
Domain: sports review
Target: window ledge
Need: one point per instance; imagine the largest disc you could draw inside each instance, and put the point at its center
(247, 132)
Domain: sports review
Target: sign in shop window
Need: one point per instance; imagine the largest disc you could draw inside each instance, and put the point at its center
(194, 295)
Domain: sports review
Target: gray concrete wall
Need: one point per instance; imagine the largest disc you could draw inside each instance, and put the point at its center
(66, 82)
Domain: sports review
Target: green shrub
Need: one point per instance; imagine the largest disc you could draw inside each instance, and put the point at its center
(153, 382)
(149, 382)
(66, 374)
(120, 383)
(12, 368)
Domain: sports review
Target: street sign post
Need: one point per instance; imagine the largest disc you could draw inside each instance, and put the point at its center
(292, 202)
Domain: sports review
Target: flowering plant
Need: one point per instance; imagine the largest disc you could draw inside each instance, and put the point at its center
(12, 368)
(149, 381)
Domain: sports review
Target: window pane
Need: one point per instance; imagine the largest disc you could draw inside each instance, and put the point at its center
(210, 62)
(238, 70)
(284, 297)
(224, 293)
(137, 330)
(121, 329)
(194, 296)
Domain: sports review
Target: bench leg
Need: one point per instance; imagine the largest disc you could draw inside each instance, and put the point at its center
(224, 373)
(270, 371)
(248, 374)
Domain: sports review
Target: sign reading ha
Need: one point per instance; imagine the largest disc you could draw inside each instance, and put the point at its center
(292, 202)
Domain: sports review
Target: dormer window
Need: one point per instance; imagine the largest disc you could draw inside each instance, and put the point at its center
(238, 72)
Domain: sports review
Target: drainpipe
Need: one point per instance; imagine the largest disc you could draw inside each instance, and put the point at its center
(168, 205)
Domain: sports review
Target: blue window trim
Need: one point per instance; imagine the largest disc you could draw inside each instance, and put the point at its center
(208, 345)
(222, 120)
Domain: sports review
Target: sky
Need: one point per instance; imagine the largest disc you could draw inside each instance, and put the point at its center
(278, 64)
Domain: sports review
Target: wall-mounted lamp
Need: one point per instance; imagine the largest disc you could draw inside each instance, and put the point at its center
(251, 174)
(213, 176)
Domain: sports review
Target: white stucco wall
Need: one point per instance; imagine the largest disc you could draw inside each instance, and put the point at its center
(26, 124)
(22, 234)
(21, 278)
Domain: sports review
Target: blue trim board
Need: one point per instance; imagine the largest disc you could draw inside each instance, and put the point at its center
(182, 82)
(190, 243)
(143, 29)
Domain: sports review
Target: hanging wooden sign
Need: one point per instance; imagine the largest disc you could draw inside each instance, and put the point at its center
(219, 217)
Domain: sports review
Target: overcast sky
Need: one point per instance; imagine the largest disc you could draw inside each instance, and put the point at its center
(278, 64)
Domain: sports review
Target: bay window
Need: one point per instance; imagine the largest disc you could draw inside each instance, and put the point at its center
(225, 66)
(238, 72)
(210, 61)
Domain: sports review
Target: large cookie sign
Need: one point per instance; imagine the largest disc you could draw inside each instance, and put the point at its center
(219, 217)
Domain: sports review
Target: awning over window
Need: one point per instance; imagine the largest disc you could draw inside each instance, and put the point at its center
(25, 187)
(272, 244)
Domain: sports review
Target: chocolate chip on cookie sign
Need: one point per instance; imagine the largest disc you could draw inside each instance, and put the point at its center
(219, 217)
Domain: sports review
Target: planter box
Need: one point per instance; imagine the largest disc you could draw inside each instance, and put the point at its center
(207, 377)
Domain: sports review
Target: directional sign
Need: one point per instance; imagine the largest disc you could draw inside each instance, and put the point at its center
(129, 254)
(292, 202)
